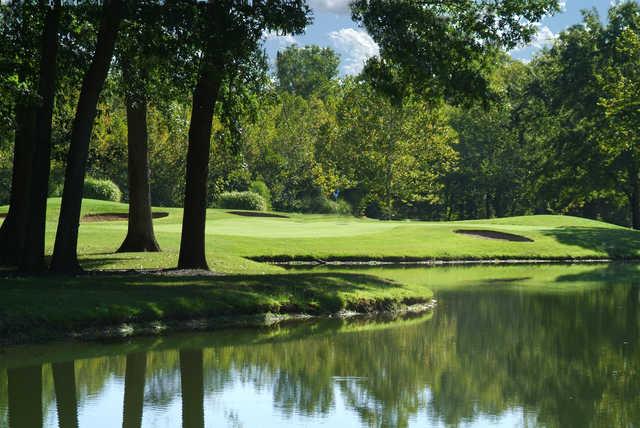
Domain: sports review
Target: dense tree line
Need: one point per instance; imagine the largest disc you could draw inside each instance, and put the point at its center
(79, 78)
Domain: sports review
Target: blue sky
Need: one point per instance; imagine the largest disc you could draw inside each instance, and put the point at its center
(334, 28)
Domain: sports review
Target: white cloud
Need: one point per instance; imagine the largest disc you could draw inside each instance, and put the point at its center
(355, 47)
(279, 40)
(544, 37)
(335, 6)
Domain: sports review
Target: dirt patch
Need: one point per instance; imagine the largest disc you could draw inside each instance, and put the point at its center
(117, 216)
(256, 214)
(492, 234)
(3, 215)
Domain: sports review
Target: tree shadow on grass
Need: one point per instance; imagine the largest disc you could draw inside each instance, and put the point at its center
(95, 299)
(613, 243)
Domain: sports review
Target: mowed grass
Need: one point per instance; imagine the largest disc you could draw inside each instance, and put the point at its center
(233, 241)
(244, 286)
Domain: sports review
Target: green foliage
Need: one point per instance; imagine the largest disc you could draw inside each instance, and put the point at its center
(446, 47)
(261, 188)
(242, 201)
(103, 190)
(303, 71)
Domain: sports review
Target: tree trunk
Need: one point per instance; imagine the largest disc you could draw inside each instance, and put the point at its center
(192, 243)
(134, 390)
(634, 198)
(25, 396)
(65, 257)
(32, 259)
(64, 382)
(13, 228)
(140, 236)
(192, 381)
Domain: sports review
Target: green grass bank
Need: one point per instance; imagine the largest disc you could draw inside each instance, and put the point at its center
(241, 286)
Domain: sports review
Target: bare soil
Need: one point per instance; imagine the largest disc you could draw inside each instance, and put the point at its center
(492, 234)
(256, 214)
(117, 216)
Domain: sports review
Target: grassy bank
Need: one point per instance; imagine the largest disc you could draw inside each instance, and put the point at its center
(243, 286)
(44, 307)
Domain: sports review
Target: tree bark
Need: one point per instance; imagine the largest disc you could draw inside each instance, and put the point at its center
(192, 382)
(140, 236)
(32, 259)
(192, 243)
(634, 198)
(65, 257)
(64, 382)
(12, 231)
(134, 390)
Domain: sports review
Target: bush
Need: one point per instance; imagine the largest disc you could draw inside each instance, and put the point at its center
(261, 188)
(321, 205)
(242, 201)
(104, 190)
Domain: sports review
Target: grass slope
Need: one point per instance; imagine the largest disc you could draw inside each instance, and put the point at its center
(232, 239)
(249, 287)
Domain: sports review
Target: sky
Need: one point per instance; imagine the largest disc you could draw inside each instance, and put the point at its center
(332, 27)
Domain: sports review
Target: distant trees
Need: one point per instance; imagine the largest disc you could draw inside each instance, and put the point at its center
(305, 70)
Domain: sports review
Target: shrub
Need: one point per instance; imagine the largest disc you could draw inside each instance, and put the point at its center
(242, 201)
(261, 188)
(321, 205)
(104, 190)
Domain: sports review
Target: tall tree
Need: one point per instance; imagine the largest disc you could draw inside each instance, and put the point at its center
(19, 21)
(619, 77)
(65, 257)
(305, 70)
(32, 257)
(138, 56)
(229, 31)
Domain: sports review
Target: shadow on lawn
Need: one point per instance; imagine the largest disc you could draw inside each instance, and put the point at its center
(615, 243)
(103, 299)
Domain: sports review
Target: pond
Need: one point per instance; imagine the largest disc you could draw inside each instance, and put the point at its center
(553, 346)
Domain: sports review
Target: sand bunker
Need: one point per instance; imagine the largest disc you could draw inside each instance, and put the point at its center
(492, 234)
(117, 216)
(256, 214)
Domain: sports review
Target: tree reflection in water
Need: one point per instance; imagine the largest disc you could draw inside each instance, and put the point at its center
(569, 358)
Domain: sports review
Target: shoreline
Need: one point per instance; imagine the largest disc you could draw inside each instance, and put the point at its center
(408, 261)
(383, 308)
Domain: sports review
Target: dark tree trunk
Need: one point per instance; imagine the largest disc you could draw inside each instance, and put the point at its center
(64, 380)
(25, 396)
(634, 198)
(65, 257)
(140, 236)
(13, 228)
(192, 381)
(134, 390)
(192, 243)
(33, 253)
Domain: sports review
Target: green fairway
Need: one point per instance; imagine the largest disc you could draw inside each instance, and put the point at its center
(242, 286)
(232, 240)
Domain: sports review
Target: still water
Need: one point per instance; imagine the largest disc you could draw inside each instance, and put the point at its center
(553, 346)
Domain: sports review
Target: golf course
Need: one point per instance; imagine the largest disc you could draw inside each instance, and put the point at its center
(244, 249)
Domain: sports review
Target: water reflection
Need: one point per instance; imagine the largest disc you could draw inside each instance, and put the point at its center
(505, 356)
